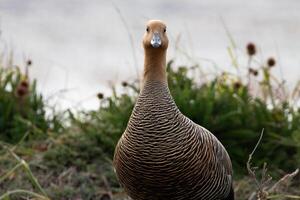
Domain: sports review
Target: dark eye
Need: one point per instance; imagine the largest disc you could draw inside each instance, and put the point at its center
(165, 30)
(147, 29)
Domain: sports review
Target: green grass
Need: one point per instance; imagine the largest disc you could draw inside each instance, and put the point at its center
(22, 108)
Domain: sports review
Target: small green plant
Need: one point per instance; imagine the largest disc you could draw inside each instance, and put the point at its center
(106, 125)
(22, 108)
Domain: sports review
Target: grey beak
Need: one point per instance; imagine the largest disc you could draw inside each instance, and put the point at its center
(156, 41)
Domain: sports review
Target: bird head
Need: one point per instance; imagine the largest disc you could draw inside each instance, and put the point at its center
(155, 36)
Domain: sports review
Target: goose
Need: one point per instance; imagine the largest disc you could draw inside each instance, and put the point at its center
(162, 154)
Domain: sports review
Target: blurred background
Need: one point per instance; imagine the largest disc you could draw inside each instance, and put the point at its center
(85, 47)
(69, 79)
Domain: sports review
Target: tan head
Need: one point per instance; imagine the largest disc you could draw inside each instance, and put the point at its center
(155, 36)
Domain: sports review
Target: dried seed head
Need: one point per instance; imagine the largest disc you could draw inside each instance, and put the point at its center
(22, 91)
(251, 49)
(124, 84)
(237, 85)
(29, 62)
(24, 83)
(271, 62)
(100, 95)
(255, 72)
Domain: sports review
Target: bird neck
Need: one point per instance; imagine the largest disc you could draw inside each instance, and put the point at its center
(155, 65)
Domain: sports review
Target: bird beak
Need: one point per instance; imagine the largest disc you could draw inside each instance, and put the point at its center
(156, 41)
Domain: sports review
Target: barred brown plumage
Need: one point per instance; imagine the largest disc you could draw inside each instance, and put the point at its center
(163, 155)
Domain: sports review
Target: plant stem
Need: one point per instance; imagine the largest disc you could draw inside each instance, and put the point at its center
(19, 191)
(26, 167)
(280, 196)
(6, 175)
(32, 178)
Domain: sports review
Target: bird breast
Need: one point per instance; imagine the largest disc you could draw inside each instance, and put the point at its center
(162, 154)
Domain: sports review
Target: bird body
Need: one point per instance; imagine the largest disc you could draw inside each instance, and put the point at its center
(163, 155)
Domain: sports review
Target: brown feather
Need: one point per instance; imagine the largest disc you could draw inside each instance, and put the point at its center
(163, 155)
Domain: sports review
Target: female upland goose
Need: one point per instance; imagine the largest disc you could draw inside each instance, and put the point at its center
(163, 155)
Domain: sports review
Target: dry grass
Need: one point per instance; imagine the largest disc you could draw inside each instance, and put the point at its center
(70, 181)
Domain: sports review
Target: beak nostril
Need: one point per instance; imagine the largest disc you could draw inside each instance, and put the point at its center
(156, 41)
